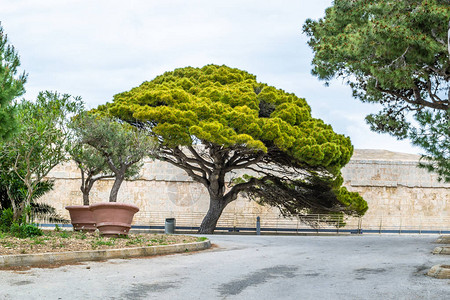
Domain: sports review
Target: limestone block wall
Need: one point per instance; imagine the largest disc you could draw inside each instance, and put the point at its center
(398, 194)
(161, 191)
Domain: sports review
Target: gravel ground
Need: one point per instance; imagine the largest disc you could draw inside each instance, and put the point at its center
(64, 241)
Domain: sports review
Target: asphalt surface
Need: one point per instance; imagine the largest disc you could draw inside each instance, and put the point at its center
(251, 267)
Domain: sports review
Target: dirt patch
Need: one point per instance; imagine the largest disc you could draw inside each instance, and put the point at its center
(24, 269)
(64, 241)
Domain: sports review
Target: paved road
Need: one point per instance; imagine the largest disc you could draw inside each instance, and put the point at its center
(251, 267)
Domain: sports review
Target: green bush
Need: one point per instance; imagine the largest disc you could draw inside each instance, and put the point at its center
(6, 219)
(64, 234)
(25, 230)
(17, 228)
(30, 230)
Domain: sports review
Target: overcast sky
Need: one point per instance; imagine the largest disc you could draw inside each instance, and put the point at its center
(95, 49)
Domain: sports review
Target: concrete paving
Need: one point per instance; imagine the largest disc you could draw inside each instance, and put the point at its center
(251, 267)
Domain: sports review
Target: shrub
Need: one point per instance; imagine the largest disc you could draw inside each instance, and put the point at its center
(6, 219)
(25, 230)
(30, 230)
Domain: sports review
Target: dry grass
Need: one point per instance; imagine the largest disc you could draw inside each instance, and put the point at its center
(63, 241)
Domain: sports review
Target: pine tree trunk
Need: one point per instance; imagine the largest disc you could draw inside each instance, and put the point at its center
(115, 188)
(216, 206)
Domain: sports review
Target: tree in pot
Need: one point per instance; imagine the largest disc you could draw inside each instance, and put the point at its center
(114, 149)
(111, 150)
(93, 167)
(215, 120)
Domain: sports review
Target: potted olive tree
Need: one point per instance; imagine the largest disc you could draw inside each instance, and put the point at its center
(122, 148)
(93, 167)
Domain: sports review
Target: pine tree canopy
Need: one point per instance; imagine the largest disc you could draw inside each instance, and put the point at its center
(213, 120)
(229, 108)
(394, 53)
(11, 85)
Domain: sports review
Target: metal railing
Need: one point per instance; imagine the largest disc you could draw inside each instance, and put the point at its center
(247, 222)
(268, 223)
(243, 220)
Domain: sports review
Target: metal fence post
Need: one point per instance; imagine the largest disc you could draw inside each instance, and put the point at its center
(381, 223)
(318, 222)
(337, 226)
(258, 225)
(420, 225)
(360, 225)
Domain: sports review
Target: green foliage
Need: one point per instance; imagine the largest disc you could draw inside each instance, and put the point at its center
(12, 188)
(313, 194)
(64, 234)
(40, 145)
(6, 219)
(45, 213)
(31, 230)
(17, 191)
(91, 163)
(101, 242)
(433, 135)
(25, 230)
(220, 106)
(394, 53)
(109, 148)
(11, 85)
(389, 48)
(113, 144)
(213, 120)
(17, 227)
(81, 235)
(352, 201)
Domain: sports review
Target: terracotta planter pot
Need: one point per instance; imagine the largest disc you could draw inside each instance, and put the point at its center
(81, 218)
(112, 218)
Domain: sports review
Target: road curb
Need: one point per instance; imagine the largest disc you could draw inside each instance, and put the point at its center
(445, 239)
(440, 272)
(441, 250)
(21, 260)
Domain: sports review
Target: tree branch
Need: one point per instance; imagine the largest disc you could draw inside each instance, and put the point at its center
(419, 100)
(182, 158)
(246, 164)
(235, 190)
(205, 164)
(188, 170)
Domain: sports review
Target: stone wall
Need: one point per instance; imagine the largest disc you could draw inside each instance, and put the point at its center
(398, 194)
